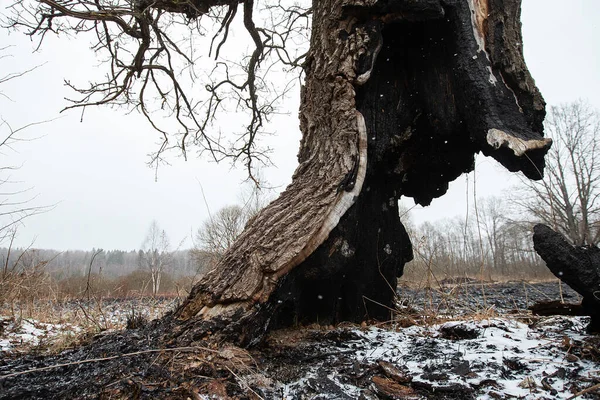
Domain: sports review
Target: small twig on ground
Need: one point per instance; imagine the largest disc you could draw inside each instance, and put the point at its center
(325, 355)
(584, 391)
(93, 360)
(244, 383)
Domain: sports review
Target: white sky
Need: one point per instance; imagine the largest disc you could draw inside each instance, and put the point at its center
(106, 197)
(561, 41)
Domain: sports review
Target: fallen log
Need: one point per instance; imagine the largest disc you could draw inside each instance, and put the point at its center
(577, 266)
(557, 307)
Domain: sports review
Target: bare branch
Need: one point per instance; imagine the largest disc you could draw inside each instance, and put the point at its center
(146, 51)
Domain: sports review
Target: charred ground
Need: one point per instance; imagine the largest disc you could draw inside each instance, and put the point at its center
(421, 354)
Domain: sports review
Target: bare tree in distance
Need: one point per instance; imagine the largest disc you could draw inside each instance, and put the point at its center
(215, 236)
(155, 254)
(568, 197)
(450, 250)
(220, 230)
(493, 220)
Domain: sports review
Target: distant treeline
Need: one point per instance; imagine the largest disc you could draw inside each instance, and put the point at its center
(109, 263)
(487, 244)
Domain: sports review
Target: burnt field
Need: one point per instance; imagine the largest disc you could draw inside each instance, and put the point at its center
(463, 340)
(463, 296)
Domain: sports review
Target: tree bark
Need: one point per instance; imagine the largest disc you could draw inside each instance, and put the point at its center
(577, 266)
(399, 96)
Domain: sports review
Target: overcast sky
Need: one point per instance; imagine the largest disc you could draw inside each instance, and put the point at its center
(105, 196)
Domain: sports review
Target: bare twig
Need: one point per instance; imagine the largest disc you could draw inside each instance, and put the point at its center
(585, 391)
(145, 57)
(94, 360)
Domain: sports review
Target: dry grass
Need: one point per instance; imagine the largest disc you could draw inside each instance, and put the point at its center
(70, 323)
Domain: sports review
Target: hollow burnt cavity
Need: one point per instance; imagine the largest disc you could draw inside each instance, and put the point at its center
(436, 87)
(449, 80)
(417, 137)
(431, 99)
(399, 96)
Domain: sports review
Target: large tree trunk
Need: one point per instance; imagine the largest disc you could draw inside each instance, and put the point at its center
(399, 96)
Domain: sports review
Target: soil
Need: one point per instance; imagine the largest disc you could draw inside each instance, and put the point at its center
(506, 353)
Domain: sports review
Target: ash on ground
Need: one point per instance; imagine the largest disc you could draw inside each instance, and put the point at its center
(476, 342)
(464, 296)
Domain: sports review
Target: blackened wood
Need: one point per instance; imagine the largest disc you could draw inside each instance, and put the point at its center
(556, 307)
(399, 97)
(577, 266)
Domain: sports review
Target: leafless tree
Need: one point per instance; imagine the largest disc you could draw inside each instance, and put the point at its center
(398, 97)
(155, 255)
(492, 219)
(567, 198)
(451, 247)
(219, 232)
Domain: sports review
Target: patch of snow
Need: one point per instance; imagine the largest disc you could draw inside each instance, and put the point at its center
(5, 345)
(30, 333)
(507, 358)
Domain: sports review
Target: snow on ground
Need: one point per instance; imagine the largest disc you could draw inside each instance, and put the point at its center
(497, 358)
(21, 334)
(485, 359)
(27, 333)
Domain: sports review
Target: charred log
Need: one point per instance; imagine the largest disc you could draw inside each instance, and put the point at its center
(577, 266)
(557, 307)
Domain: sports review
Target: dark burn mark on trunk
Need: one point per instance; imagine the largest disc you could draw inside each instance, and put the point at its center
(349, 180)
(367, 60)
(435, 89)
(487, 102)
(430, 101)
(504, 44)
(417, 137)
(386, 10)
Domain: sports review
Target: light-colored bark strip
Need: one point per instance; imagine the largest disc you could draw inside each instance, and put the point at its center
(344, 201)
(497, 138)
(479, 13)
(294, 225)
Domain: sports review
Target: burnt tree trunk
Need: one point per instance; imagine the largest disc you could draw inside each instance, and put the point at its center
(399, 96)
(577, 266)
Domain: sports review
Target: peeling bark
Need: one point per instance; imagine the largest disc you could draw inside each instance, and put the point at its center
(399, 96)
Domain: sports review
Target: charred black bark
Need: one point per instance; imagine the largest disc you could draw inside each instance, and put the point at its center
(557, 307)
(432, 97)
(412, 111)
(577, 266)
(353, 275)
